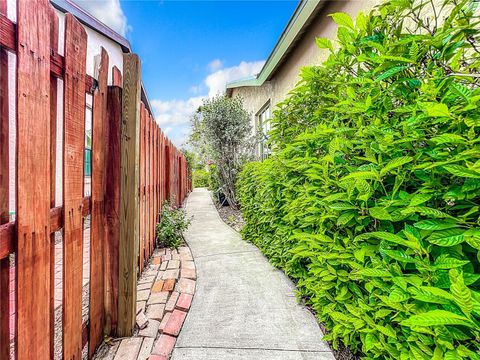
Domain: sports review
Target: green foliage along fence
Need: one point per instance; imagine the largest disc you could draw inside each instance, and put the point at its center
(200, 178)
(371, 199)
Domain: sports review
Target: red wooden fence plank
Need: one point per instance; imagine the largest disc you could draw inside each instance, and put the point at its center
(152, 199)
(157, 174)
(116, 77)
(7, 31)
(97, 268)
(4, 205)
(162, 169)
(167, 171)
(141, 253)
(33, 197)
(73, 150)
(53, 163)
(159, 171)
(112, 206)
(154, 170)
(152, 177)
(147, 184)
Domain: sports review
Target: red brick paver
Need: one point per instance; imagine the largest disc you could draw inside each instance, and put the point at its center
(184, 302)
(164, 345)
(157, 286)
(175, 322)
(186, 286)
(169, 285)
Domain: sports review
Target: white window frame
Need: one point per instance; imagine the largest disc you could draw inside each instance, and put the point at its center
(263, 128)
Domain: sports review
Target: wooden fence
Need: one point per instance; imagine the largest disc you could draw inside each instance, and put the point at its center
(135, 168)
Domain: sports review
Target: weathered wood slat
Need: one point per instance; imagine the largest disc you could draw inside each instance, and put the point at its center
(33, 197)
(73, 150)
(147, 184)
(152, 197)
(167, 171)
(116, 77)
(53, 163)
(97, 254)
(4, 199)
(162, 169)
(141, 254)
(129, 220)
(7, 32)
(112, 207)
(155, 179)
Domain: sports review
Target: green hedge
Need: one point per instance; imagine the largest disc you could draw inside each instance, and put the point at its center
(200, 178)
(371, 200)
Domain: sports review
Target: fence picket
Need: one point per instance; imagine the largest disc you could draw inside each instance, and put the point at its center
(143, 167)
(141, 256)
(150, 173)
(4, 200)
(112, 206)
(97, 265)
(73, 147)
(129, 220)
(53, 164)
(33, 197)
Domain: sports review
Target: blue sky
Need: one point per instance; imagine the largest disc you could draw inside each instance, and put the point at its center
(189, 49)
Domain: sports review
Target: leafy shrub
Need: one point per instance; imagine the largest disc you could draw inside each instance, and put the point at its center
(200, 178)
(214, 178)
(172, 223)
(371, 200)
(221, 128)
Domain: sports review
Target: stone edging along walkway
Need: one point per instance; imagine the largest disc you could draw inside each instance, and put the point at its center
(164, 294)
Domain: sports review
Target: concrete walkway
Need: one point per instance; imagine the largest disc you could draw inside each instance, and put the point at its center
(243, 308)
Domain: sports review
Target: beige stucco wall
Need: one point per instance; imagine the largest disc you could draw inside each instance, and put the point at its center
(95, 41)
(304, 53)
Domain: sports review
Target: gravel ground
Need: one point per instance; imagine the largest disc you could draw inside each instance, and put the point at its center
(231, 217)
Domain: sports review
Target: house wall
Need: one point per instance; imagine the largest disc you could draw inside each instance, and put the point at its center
(95, 41)
(305, 53)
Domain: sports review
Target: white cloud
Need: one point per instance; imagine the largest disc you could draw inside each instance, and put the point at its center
(173, 116)
(109, 12)
(215, 65)
(196, 89)
(175, 112)
(217, 81)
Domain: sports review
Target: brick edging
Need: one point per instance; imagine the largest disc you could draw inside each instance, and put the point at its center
(177, 274)
(165, 292)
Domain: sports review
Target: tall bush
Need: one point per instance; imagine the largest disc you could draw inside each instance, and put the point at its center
(222, 129)
(371, 200)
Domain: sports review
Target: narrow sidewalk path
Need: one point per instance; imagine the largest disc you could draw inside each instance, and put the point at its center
(243, 308)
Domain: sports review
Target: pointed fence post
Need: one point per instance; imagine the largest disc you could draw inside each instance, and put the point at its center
(129, 201)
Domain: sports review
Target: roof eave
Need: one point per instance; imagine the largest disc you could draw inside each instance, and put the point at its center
(298, 21)
(66, 6)
(85, 18)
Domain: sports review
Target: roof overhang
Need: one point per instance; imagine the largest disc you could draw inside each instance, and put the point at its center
(67, 6)
(301, 18)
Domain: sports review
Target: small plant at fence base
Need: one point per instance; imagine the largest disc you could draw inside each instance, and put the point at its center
(371, 199)
(171, 226)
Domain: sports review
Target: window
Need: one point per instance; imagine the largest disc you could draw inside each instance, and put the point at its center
(263, 126)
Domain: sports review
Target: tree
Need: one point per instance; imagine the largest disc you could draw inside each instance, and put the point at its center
(222, 132)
